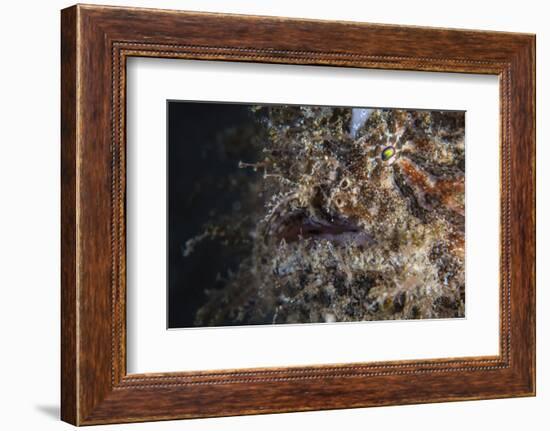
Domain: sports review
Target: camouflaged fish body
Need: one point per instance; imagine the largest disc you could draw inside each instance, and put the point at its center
(363, 219)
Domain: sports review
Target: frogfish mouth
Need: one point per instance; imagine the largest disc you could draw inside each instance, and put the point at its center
(335, 229)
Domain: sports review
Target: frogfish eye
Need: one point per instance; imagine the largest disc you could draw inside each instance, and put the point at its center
(387, 153)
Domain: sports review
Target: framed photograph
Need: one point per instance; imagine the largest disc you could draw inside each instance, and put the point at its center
(264, 215)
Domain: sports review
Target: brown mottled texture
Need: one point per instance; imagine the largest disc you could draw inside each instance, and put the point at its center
(96, 41)
(363, 220)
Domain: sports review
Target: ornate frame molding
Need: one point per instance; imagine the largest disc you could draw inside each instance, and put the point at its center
(96, 41)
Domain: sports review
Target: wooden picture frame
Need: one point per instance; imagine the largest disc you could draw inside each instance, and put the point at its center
(96, 41)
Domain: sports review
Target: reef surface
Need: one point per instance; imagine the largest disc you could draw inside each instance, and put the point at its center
(341, 214)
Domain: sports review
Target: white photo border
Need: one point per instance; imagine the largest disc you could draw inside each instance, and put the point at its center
(153, 348)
